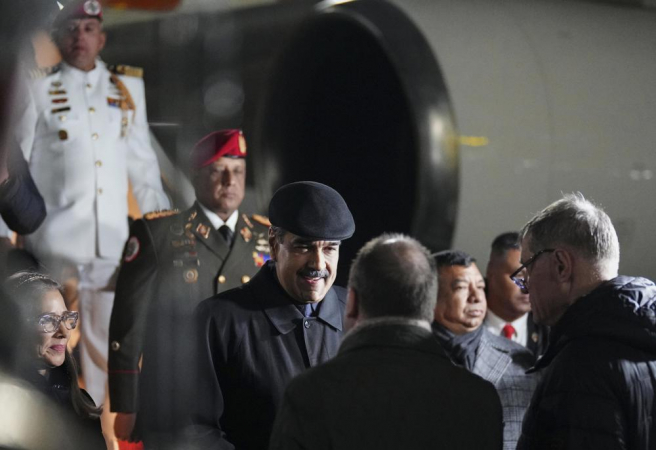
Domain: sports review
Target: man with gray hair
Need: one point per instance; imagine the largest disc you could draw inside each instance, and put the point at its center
(599, 369)
(391, 385)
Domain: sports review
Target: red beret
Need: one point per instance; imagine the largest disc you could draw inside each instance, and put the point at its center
(87, 9)
(230, 143)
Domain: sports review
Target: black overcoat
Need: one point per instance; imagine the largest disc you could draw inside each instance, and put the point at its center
(253, 342)
(391, 386)
(170, 264)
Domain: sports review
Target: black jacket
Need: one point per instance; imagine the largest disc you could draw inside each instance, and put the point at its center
(390, 387)
(84, 433)
(598, 390)
(253, 341)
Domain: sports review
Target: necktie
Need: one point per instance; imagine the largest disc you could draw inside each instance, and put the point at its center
(227, 234)
(508, 331)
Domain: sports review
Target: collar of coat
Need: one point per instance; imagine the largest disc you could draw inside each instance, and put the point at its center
(281, 309)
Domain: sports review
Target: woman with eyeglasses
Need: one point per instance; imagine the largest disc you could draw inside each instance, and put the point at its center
(50, 368)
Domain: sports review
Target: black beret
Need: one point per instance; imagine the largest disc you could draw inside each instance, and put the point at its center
(311, 210)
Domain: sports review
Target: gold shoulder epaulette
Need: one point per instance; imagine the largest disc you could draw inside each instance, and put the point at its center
(262, 220)
(161, 213)
(42, 72)
(130, 71)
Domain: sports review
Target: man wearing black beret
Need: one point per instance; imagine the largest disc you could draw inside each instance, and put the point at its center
(254, 339)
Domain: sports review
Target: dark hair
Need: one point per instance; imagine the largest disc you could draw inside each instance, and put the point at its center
(26, 289)
(395, 276)
(453, 258)
(504, 242)
(279, 233)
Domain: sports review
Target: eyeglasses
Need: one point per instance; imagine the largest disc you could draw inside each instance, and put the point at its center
(522, 282)
(50, 322)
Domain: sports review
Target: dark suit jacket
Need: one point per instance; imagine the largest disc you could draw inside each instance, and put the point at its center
(170, 264)
(390, 387)
(253, 341)
(504, 363)
(21, 205)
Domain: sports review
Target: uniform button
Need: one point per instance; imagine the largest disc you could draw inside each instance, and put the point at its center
(306, 323)
(62, 118)
(245, 279)
(222, 279)
(89, 85)
(116, 346)
(94, 136)
(99, 163)
(100, 191)
(92, 110)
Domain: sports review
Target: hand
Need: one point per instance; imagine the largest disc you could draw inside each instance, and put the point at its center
(124, 425)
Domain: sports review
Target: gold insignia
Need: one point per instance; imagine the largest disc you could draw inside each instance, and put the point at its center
(242, 143)
(245, 279)
(57, 92)
(246, 234)
(262, 220)
(193, 215)
(535, 337)
(63, 135)
(222, 279)
(247, 220)
(58, 110)
(190, 275)
(161, 213)
(121, 69)
(177, 243)
(203, 230)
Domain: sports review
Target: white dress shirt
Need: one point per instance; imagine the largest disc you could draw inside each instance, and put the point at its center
(82, 149)
(495, 324)
(217, 222)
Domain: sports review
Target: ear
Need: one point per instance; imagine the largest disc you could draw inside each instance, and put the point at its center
(273, 245)
(103, 40)
(564, 265)
(352, 305)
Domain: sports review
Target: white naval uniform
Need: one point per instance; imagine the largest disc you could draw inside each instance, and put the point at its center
(81, 153)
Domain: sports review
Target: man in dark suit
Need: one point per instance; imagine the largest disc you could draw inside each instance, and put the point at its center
(391, 386)
(459, 327)
(256, 338)
(508, 308)
(171, 262)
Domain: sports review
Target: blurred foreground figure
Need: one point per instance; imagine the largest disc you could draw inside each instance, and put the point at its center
(85, 134)
(49, 366)
(508, 308)
(599, 370)
(459, 327)
(391, 386)
(254, 339)
(172, 262)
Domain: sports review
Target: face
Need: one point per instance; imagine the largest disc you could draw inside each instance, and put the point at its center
(547, 301)
(51, 347)
(460, 299)
(220, 186)
(306, 269)
(80, 42)
(503, 296)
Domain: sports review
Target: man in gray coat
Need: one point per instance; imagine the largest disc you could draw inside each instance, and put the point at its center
(459, 315)
(391, 386)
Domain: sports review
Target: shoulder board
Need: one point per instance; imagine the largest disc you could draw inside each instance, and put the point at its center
(130, 71)
(42, 72)
(160, 214)
(262, 220)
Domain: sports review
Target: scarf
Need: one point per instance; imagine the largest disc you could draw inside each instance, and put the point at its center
(460, 347)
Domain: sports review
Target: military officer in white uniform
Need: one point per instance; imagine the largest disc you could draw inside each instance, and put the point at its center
(85, 134)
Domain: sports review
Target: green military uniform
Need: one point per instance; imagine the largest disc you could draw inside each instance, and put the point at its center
(171, 262)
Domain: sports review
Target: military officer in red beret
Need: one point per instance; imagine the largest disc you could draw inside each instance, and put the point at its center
(171, 262)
